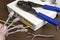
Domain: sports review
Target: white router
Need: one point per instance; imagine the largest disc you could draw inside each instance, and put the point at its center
(28, 18)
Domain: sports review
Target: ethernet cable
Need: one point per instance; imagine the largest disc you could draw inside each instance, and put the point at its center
(15, 20)
(21, 30)
(18, 26)
(38, 35)
(9, 16)
(13, 24)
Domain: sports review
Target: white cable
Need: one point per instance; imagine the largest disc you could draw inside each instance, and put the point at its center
(39, 35)
(15, 20)
(21, 30)
(44, 35)
(18, 26)
(9, 16)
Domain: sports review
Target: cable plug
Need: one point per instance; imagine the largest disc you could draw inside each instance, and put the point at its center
(15, 20)
(18, 26)
(9, 16)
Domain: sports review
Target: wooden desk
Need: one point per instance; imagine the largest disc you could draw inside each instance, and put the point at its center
(47, 29)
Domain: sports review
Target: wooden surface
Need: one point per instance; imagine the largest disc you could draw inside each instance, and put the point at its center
(47, 29)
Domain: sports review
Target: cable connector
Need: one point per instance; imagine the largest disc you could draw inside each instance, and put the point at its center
(15, 20)
(21, 30)
(9, 16)
(18, 26)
